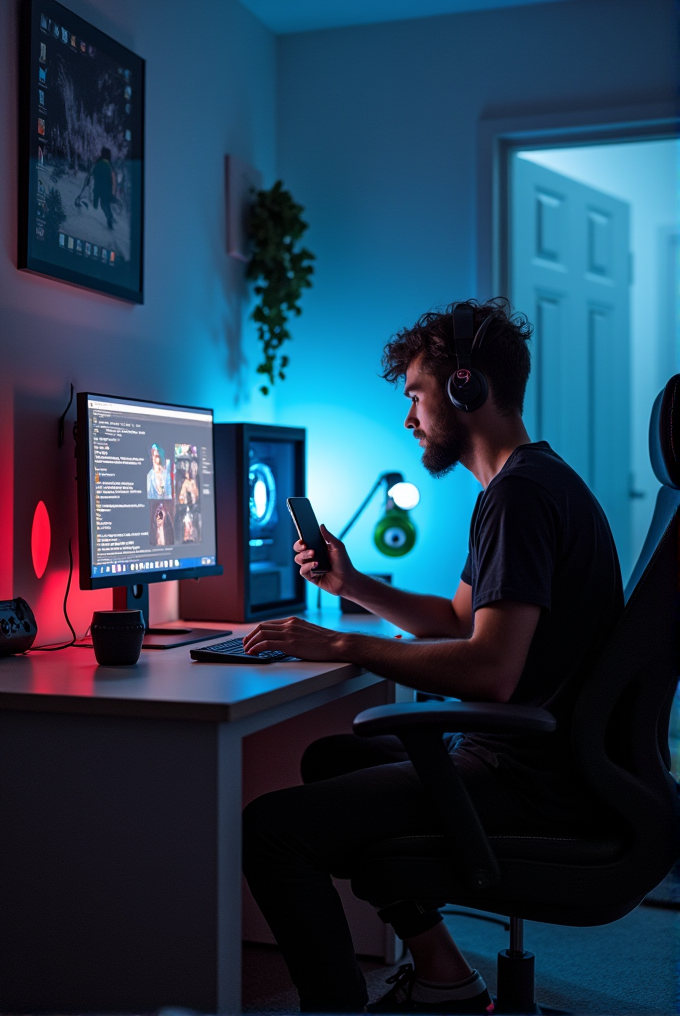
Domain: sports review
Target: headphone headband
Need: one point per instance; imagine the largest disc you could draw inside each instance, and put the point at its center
(465, 339)
(482, 330)
(463, 334)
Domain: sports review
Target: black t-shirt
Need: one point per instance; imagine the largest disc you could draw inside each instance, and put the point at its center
(538, 535)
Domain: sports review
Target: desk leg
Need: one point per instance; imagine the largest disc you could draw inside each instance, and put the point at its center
(229, 802)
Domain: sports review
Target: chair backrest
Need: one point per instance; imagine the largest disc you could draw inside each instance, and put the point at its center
(620, 726)
(664, 452)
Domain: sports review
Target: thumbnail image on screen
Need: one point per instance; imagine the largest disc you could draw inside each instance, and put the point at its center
(151, 486)
(85, 177)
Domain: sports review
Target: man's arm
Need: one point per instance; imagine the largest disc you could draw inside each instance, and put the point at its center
(421, 615)
(485, 667)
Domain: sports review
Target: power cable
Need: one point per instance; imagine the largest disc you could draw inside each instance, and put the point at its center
(66, 645)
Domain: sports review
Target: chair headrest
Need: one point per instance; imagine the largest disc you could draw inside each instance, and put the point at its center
(664, 434)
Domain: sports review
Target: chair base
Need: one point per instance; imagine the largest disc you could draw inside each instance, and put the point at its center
(515, 983)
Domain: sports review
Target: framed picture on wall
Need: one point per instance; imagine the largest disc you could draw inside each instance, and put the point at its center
(81, 154)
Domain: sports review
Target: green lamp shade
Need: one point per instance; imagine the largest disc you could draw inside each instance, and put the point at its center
(395, 534)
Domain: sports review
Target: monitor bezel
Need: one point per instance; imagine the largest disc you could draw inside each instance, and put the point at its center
(86, 579)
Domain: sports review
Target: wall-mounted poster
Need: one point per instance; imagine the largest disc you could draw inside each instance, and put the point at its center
(81, 172)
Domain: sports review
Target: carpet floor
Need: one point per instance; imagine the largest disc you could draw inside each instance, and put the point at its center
(627, 968)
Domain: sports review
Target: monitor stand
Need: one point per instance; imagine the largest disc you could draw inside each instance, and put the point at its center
(137, 598)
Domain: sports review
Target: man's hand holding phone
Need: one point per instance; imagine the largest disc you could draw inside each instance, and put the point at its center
(340, 578)
(322, 557)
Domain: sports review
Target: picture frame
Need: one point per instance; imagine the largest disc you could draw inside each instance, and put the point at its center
(81, 154)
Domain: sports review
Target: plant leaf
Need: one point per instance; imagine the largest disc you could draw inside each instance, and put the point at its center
(280, 269)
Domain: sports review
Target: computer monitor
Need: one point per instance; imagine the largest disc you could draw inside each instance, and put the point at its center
(146, 501)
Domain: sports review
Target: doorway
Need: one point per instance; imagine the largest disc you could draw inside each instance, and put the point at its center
(593, 259)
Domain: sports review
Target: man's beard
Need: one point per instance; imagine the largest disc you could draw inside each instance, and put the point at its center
(447, 442)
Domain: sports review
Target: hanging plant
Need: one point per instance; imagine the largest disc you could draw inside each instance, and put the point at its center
(281, 270)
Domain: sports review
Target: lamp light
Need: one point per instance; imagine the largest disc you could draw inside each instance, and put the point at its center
(405, 495)
(395, 533)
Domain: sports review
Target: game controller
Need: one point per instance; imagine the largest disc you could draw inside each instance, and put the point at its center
(18, 627)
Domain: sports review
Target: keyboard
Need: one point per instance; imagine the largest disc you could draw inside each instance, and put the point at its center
(231, 651)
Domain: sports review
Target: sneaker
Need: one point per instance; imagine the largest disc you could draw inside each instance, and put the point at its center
(398, 999)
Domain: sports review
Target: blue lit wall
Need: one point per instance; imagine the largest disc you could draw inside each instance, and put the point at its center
(377, 132)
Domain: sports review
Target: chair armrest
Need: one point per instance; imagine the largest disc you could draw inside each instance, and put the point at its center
(456, 717)
(420, 725)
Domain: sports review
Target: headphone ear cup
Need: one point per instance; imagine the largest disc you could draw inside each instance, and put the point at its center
(467, 389)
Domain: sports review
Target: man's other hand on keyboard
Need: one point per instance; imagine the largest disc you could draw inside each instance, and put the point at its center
(296, 637)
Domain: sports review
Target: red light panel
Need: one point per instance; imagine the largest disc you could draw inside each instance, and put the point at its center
(41, 539)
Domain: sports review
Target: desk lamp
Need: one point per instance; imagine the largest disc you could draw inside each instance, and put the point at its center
(394, 534)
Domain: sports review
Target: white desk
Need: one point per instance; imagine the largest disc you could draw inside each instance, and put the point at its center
(120, 805)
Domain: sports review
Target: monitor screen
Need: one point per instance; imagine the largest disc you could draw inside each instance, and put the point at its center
(146, 491)
(82, 153)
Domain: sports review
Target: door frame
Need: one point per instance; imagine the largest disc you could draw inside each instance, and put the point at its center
(499, 138)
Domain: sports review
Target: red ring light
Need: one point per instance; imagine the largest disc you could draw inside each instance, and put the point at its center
(41, 539)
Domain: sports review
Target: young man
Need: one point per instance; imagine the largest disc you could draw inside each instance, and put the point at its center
(540, 590)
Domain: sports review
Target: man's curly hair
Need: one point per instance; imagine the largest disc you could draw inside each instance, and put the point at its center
(503, 356)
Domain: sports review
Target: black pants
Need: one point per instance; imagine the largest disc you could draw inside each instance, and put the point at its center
(357, 791)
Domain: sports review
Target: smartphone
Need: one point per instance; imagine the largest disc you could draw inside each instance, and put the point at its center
(308, 531)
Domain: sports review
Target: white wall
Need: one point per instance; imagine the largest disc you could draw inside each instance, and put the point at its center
(645, 174)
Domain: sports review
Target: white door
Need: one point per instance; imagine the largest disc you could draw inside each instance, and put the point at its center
(570, 274)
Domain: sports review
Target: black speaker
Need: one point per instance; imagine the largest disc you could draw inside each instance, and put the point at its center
(18, 627)
(257, 466)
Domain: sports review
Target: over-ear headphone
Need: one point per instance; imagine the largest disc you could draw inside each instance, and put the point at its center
(467, 387)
